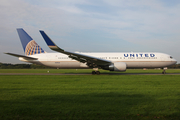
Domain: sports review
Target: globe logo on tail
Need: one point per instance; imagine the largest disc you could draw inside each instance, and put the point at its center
(33, 48)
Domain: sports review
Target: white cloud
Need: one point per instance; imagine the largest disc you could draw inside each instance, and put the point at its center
(71, 9)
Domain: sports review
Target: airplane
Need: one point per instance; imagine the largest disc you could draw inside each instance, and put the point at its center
(116, 61)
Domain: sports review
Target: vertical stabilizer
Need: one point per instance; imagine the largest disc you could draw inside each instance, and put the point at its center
(29, 45)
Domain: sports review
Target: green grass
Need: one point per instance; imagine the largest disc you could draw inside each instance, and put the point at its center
(90, 97)
(84, 71)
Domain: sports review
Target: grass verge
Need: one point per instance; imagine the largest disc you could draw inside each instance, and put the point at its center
(90, 97)
(84, 71)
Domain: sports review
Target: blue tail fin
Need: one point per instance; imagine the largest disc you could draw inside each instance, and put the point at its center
(29, 45)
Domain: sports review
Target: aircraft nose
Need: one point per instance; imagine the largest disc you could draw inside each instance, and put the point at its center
(174, 61)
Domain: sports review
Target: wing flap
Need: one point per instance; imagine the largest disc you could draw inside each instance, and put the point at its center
(86, 58)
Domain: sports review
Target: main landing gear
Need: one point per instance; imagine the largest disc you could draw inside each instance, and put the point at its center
(95, 72)
(164, 70)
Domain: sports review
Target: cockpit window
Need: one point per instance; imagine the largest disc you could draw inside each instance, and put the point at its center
(171, 57)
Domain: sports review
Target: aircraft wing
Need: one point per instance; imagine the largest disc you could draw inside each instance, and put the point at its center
(25, 57)
(90, 60)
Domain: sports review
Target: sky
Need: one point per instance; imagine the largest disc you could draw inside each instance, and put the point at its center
(92, 26)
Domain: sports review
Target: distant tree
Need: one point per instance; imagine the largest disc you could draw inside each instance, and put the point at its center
(22, 66)
(35, 66)
(176, 66)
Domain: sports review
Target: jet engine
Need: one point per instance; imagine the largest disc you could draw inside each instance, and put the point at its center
(118, 66)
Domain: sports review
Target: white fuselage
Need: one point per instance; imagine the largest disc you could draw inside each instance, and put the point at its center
(132, 60)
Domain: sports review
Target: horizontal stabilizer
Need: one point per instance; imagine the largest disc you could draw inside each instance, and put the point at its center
(25, 57)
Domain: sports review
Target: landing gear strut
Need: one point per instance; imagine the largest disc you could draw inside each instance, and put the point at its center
(164, 70)
(95, 71)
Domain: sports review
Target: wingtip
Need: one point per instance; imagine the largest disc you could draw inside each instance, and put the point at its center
(6, 53)
(19, 28)
(49, 42)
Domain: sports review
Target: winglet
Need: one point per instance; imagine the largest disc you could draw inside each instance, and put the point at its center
(50, 43)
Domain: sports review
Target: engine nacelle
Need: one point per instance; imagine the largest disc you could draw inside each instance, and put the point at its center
(118, 66)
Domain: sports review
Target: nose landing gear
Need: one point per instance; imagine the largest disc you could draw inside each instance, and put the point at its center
(164, 70)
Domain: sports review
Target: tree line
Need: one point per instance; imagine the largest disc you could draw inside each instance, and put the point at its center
(35, 66)
(22, 66)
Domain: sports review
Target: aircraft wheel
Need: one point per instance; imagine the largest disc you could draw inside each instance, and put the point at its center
(93, 72)
(163, 72)
(97, 72)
